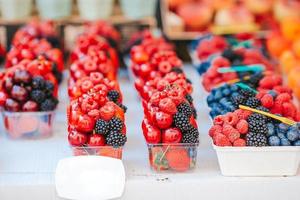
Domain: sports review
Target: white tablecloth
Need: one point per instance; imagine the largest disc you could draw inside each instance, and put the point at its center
(27, 167)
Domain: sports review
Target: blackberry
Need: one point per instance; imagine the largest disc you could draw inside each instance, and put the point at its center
(113, 95)
(185, 108)
(247, 93)
(253, 102)
(177, 70)
(189, 98)
(257, 117)
(49, 88)
(191, 136)
(238, 100)
(101, 127)
(38, 96)
(255, 78)
(115, 124)
(195, 113)
(258, 127)
(48, 105)
(38, 82)
(257, 140)
(116, 139)
(181, 121)
(268, 119)
(122, 106)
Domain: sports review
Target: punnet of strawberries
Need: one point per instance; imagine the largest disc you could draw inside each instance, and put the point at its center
(29, 86)
(169, 125)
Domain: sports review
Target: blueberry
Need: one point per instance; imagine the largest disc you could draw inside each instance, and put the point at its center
(226, 92)
(212, 114)
(223, 101)
(274, 141)
(234, 88)
(234, 94)
(218, 95)
(285, 142)
(210, 99)
(292, 135)
(231, 108)
(296, 143)
(214, 90)
(271, 129)
(281, 135)
(283, 128)
(273, 93)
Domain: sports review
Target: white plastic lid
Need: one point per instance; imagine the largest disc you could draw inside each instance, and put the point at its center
(90, 177)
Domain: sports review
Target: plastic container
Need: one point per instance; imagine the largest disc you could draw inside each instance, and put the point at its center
(107, 151)
(258, 161)
(16, 9)
(54, 9)
(172, 157)
(136, 9)
(28, 125)
(95, 9)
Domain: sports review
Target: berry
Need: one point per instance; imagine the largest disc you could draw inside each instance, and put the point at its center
(113, 95)
(292, 135)
(171, 135)
(167, 105)
(242, 114)
(38, 82)
(49, 88)
(189, 98)
(37, 96)
(8, 84)
(86, 85)
(222, 140)
(116, 124)
(107, 111)
(124, 108)
(48, 105)
(284, 142)
(96, 140)
(101, 127)
(267, 101)
(219, 120)
(178, 159)
(191, 136)
(152, 135)
(271, 129)
(282, 128)
(238, 100)
(258, 127)
(242, 126)
(181, 121)
(30, 106)
(253, 102)
(215, 129)
(12, 105)
(257, 140)
(22, 76)
(163, 120)
(19, 93)
(116, 139)
(185, 108)
(297, 143)
(272, 93)
(231, 118)
(85, 123)
(239, 143)
(247, 93)
(274, 140)
(256, 117)
(77, 139)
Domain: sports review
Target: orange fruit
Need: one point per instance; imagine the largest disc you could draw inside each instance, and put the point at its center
(290, 28)
(273, 46)
(287, 61)
(296, 47)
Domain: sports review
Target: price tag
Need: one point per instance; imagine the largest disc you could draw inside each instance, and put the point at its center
(90, 177)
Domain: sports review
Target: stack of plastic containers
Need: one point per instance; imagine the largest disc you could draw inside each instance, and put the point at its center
(169, 124)
(29, 83)
(255, 130)
(96, 121)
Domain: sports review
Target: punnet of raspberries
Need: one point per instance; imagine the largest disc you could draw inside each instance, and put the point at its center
(29, 87)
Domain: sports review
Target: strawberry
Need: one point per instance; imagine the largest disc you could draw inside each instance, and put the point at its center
(167, 105)
(107, 111)
(178, 159)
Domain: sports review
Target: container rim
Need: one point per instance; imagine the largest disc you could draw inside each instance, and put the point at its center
(95, 147)
(174, 144)
(39, 113)
(257, 149)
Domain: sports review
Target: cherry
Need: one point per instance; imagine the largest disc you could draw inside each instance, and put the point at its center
(12, 105)
(163, 120)
(96, 140)
(167, 105)
(88, 104)
(8, 83)
(85, 123)
(77, 138)
(3, 97)
(152, 134)
(19, 93)
(30, 106)
(22, 76)
(171, 135)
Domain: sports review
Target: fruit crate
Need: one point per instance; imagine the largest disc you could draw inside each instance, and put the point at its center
(258, 161)
(172, 157)
(107, 151)
(28, 125)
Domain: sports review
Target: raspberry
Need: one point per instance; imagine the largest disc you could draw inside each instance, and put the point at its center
(289, 110)
(239, 143)
(86, 85)
(283, 97)
(282, 89)
(219, 120)
(242, 114)
(267, 101)
(221, 140)
(167, 105)
(266, 82)
(242, 126)
(231, 118)
(227, 129)
(216, 129)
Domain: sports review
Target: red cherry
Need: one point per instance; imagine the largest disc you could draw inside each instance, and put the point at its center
(8, 83)
(19, 93)
(145, 70)
(96, 140)
(152, 135)
(3, 97)
(167, 105)
(171, 135)
(107, 111)
(85, 123)
(77, 138)
(30, 106)
(12, 105)
(163, 120)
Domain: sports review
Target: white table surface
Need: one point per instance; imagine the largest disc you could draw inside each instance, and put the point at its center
(27, 167)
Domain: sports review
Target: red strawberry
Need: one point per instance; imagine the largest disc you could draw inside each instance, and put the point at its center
(178, 159)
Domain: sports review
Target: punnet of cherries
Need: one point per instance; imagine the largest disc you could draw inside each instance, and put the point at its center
(33, 70)
(169, 125)
(96, 114)
(264, 91)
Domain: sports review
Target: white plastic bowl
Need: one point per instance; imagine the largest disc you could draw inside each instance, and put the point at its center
(95, 9)
(54, 9)
(258, 161)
